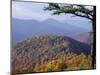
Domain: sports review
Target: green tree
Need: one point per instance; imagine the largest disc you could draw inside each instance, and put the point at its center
(87, 12)
(77, 10)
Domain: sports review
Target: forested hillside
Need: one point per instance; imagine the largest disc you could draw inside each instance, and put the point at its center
(47, 53)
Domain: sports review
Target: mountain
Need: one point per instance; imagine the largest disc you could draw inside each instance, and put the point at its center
(22, 29)
(42, 49)
(82, 37)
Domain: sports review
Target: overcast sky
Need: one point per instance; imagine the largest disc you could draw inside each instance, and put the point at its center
(34, 11)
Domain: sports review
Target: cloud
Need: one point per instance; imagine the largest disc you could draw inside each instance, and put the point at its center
(21, 12)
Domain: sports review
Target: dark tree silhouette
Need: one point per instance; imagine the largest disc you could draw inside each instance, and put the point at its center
(81, 11)
(77, 10)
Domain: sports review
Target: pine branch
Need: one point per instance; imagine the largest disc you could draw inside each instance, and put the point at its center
(57, 10)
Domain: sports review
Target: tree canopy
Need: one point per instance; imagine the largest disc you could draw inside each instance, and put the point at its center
(76, 10)
(88, 12)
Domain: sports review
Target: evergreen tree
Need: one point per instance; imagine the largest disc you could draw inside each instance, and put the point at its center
(87, 12)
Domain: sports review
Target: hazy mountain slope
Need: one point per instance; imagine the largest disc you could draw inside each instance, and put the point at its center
(22, 29)
(82, 37)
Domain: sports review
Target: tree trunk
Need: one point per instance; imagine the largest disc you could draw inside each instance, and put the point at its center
(94, 39)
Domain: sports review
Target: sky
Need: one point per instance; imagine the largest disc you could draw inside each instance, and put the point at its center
(34, 11)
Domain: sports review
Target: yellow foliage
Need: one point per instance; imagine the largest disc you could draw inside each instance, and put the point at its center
(70, 62)
(85, 62)
(54, 65)
(40, 68)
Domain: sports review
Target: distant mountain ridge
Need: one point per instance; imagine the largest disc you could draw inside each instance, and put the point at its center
(22, 29)
(82, 37)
